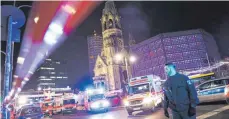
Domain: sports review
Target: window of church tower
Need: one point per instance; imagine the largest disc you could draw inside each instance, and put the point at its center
(117, 25)
(105, 25)
(110, 25)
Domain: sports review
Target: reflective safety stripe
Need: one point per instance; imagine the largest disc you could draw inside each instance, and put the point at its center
(212, 91)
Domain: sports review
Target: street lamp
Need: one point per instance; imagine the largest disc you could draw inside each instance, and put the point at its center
(127, 57)
(132, 59)
(119, 57)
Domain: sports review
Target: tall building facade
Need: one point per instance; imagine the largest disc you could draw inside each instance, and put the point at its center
(107, 71)
(188, 50)
(52, 74)
(95, 44)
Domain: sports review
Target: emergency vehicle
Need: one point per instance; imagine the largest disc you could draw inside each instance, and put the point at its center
(214, 90)
(48, 107)
(95, 101)
(69, 104)
(114, 97)
(144, 94)
(57, 105)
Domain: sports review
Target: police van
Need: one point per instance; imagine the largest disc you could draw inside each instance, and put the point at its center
(214, 90)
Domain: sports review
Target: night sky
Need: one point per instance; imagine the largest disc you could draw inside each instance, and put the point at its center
(144, 20)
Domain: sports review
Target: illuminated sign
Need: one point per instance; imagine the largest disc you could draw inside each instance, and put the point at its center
(59, 89)
(140, 81)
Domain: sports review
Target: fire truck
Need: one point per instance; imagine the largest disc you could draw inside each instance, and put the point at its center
(95, 100)
(144, 94)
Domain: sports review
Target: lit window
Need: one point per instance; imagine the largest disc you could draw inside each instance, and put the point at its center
(47, 68)
(45, 79)
(52, 77)
(42, 77)
(52, 72)
(47, 84)
(59, 77)
(65, 77)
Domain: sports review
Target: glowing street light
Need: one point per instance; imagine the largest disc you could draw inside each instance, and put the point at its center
(132, 59)
(119, 57)
(127, 57)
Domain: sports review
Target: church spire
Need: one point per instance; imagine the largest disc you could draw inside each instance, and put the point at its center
(131, 38)
(110, 18)
(110, 8)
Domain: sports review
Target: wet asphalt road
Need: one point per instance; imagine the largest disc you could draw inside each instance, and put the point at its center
(217, 110)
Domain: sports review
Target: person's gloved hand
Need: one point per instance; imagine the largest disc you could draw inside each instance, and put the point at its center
(191, 111)
(166, 113)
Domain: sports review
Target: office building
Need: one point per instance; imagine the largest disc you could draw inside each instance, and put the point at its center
(52, 74)
(95, 44)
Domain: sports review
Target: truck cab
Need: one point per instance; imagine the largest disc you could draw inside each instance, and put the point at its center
(144, 94)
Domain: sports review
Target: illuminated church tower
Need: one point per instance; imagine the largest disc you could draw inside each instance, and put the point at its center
(107, 70)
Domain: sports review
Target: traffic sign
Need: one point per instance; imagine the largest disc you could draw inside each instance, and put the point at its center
(18, 21)
(17, 15)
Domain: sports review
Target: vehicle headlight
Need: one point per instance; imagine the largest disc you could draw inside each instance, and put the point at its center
(147, 100)
(126, 103)
(47, 110)
(95, 105)
(106, 103)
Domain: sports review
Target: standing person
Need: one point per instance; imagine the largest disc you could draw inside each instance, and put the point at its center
(179, 94)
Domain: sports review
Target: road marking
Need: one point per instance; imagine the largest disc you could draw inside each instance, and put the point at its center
(212, 113)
